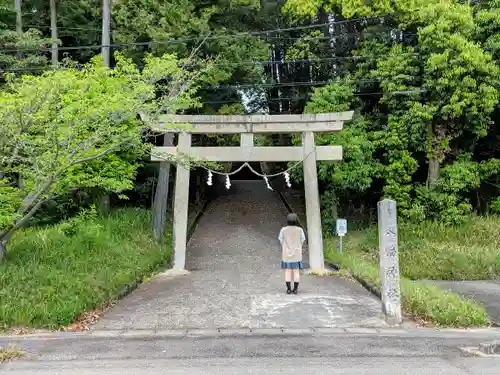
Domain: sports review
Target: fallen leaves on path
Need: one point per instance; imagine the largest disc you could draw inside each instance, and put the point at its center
(9, 354)
(88, 319)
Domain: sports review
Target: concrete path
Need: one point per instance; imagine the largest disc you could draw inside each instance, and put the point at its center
(486, 292)
(235, 280)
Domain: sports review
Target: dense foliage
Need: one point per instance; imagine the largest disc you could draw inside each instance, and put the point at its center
(426, 81)
(74, 129)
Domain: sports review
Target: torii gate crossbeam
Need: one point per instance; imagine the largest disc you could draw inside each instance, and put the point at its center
(247, 126)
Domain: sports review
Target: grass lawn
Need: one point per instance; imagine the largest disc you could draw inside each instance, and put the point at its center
(425, 303)
(430, 250)
(427, 251)
(53, 275)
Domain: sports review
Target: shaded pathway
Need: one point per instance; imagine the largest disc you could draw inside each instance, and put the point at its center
(235, 280)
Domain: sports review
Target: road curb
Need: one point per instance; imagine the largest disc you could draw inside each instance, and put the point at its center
(197, 219)
(239, 332)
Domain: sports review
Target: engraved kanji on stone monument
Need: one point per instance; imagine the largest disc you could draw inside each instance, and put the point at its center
(392, 272)
(390, 233)
(393, 294)
(391, 251)
(389, 261)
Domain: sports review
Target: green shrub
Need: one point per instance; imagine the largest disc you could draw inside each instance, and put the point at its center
(53, 275)
(423, 301)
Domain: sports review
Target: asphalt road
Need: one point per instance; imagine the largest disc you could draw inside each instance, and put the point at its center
(260, 354)
(272, 366)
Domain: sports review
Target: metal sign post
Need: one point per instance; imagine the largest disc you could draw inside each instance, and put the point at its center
(341, 231)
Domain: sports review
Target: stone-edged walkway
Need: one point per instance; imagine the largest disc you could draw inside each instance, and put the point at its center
(235, 280)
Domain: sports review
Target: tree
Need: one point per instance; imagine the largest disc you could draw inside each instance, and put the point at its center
(19, 49)
(79, 128)
(352, 176)
(438, 85)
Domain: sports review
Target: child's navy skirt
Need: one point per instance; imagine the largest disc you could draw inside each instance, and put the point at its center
(292, 265)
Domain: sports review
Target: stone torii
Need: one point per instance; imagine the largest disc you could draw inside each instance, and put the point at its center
(247, 126)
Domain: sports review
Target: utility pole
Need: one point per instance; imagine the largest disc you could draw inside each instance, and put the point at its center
(106, 39)
(53, 32)
(19, 24)
(105, 201)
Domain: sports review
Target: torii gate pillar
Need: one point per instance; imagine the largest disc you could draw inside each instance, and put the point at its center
(313, 213)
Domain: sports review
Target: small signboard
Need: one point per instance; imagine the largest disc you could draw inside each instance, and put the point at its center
(341, 227)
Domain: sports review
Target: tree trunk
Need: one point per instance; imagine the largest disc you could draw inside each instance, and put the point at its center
(436, 152)
(433, 172)
(53, 32)
(104, 204)
(228, 167)
(19, 16)
(335, 208)
(3, 250)
(160, 203)
(264, 167)
(199, 187)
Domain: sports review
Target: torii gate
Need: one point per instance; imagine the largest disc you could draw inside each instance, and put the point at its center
(247, 126)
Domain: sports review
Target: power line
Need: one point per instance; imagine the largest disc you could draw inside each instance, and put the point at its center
(61, 27)
(286, 84)
(199, 38)
(257, 99)
(239, 63)
(308, 96)
(286, 98)
(338, 36)
(273, 85)
(180, 41)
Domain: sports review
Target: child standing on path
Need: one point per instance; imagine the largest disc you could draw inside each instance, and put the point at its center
(292, 238)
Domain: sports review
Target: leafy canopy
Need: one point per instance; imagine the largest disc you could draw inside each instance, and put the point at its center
(79, 128)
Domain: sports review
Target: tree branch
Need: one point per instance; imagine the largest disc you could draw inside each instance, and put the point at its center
(29, 200)
(5, 236)
(99, 155)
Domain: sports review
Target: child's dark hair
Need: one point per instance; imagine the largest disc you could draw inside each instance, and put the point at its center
(292, 219)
